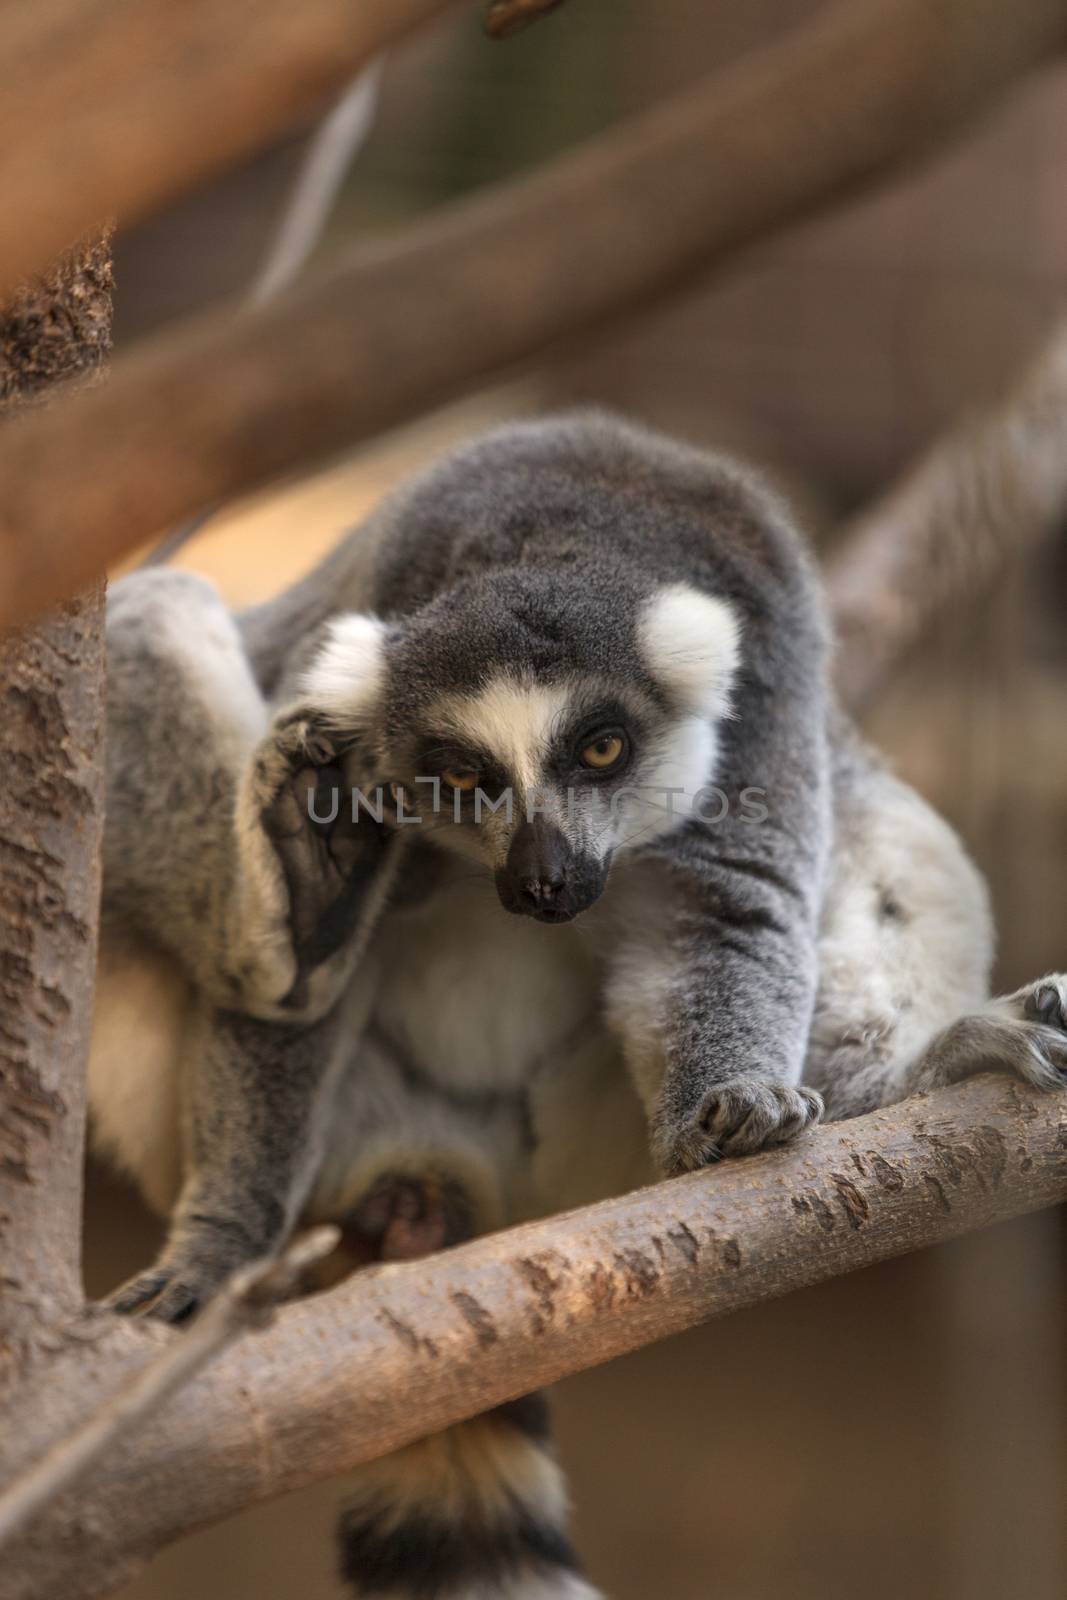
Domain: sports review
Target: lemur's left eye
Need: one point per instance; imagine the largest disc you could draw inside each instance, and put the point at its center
(605, 752)
(463, 779)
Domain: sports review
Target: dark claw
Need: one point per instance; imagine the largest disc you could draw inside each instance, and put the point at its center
(135, 1295)
(156, 1295)
(1044, 1005)
(177, 1303)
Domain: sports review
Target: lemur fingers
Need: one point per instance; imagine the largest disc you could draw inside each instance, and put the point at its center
(735, 1118)
(157, 1294)
(165, 1293)
(192, 1269)
(1024, 1033)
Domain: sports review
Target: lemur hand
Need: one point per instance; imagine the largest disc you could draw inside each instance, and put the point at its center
(735, 1118)
(207, 1244)
(180, 1283)
(328, 849)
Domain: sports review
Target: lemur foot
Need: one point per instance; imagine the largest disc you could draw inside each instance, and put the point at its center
(192, 1269)
(401, 1217)
(302, 793)
(737, 1118)
(1035, 1037)
(170, 1291)
(1024, 1033)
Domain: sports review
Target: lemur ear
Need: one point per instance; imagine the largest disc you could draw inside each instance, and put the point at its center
(345, 676)
(691, 644)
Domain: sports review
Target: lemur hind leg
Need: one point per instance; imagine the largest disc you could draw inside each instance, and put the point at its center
(905, 952)
(210, 850)
(248, 917)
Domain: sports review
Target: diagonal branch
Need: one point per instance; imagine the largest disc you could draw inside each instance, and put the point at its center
(984, 496)
(110, 108)
(401, 1351)
(227, 402)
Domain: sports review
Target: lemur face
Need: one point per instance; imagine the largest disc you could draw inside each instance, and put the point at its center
(535, 730)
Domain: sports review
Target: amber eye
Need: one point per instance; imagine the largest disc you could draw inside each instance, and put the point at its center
(603, 753)
(464, 781)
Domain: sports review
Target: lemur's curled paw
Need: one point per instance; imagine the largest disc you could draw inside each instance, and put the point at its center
(191, 1270)
(737, 1118)
(402, 1217)
(1043, 1006)
(166, 1293)
(327, 842)
(399, 1217)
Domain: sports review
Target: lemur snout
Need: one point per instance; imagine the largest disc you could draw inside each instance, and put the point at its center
(543, 877)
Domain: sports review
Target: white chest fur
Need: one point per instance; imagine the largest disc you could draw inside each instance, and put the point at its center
(478, 998)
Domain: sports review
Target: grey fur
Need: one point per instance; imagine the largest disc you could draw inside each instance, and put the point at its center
(345, 1008)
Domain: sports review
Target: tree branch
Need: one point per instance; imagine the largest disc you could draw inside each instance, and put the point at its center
(116, 109)
(245, 1303)
(400, 1351)
(506, 17)
(985, 495)
(56, 331)
(226, 402)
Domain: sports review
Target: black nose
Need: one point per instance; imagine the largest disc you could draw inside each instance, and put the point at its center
(539, 893)
(534, 879)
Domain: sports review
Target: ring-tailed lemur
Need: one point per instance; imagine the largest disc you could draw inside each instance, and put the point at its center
(575, 672)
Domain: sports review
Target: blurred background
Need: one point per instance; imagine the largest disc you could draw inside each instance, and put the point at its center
(904, 1429)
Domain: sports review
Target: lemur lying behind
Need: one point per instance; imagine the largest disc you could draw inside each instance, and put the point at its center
(608, 834)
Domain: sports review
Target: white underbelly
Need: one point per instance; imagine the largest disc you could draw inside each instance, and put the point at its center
(477, 997)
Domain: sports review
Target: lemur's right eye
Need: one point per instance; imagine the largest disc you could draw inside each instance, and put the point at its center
(462, 780)
(604, 752)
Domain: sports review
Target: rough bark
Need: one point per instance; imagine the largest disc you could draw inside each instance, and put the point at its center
(227, 402)
(56, 331)
(246, 1302)
(984, 496)
(400, 1351)
(114, 109)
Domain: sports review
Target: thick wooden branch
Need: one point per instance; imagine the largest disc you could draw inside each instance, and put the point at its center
(245, 1303)
(114, 109)
(55, 331)
(984, 496)
(227, 402)
(400, 1351)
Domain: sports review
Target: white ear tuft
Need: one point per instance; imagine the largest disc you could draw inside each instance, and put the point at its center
(345, 675)
(691, 644)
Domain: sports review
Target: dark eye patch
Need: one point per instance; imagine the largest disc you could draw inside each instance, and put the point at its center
(603, 719)
(436, 757)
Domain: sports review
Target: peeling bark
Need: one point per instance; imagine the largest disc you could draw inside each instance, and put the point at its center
(55, 332)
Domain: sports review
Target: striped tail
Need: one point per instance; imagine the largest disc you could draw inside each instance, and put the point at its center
(475, 1513)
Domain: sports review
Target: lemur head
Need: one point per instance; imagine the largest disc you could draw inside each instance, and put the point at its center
(539, 721)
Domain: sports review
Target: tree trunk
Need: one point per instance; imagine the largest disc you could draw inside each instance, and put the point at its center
(55, 332)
